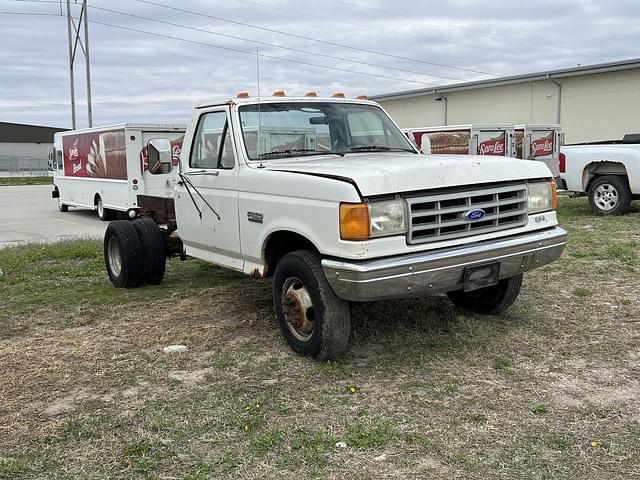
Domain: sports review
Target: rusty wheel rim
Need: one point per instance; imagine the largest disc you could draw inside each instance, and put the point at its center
(114, 256)
(298, 309)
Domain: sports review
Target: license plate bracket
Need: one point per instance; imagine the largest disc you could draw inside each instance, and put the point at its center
(480, 276)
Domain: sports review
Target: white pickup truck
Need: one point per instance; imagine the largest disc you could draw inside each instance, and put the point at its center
(608, 172)
(331, 200)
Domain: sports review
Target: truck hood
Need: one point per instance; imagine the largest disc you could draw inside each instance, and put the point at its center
(384, 173)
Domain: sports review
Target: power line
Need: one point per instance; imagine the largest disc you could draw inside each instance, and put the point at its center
(236, 50)
(475, 30)
(272, 57)
(235, 37)
(326, 42)
(31, 13)
(380, 29)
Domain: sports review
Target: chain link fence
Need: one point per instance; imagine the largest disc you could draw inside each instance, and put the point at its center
(23, 166)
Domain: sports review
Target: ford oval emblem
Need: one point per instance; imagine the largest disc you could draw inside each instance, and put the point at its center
(476, 214)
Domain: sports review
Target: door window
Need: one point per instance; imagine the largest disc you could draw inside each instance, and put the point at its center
(212, 146)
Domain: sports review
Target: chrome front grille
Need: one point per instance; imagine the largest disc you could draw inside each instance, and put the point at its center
(442, 216)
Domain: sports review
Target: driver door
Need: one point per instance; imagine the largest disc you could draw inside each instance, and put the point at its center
(207, 194)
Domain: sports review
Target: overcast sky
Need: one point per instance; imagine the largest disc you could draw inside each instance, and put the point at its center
(356, 46)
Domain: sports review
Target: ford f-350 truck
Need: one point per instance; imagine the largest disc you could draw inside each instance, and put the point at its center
(328, 198)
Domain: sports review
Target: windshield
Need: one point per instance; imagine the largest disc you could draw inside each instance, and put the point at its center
(277, 130)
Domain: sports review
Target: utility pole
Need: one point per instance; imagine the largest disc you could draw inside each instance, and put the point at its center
(75, 40)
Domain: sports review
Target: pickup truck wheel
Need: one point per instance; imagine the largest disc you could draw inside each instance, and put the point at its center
(609, 195)
(123, 255)
(104, 214)
(489, 300)
(153, 250)
(62, 207)
(313, 319)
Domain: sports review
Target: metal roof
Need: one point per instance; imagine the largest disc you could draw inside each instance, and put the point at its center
(630, 64)
(22, 133)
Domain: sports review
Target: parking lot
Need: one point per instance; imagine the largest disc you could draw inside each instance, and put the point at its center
(29, 214)
(547, 390)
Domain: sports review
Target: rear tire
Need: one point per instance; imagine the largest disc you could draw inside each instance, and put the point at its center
(104, 214)
(312, 318)
(489, 300)
(63, 207)
(123, 255)
(153, 248)
(609, 195)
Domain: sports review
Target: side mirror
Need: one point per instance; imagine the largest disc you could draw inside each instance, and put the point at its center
(159, 155)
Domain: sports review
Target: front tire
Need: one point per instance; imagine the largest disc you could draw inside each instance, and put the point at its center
(62, 207)
(489, 300)
(153, 248)
(312, 318)
(609, 195)
(123, 255)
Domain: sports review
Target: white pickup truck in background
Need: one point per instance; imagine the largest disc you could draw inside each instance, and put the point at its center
(608, 172)
(331, 200)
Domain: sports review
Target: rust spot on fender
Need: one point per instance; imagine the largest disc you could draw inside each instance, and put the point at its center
(256, 273)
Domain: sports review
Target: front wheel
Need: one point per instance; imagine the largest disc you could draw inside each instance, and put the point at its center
(609, 195)
(312, 318)
(489, 300)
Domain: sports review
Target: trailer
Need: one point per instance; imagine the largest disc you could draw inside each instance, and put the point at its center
(540, 142)
(107, 169)
(471, 139)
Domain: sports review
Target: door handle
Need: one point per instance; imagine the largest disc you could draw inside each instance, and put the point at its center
(213, 173)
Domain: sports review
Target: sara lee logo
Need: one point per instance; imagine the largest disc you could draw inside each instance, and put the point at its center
(543, 146)
(73, 151)
(492, 146)
(175, 153)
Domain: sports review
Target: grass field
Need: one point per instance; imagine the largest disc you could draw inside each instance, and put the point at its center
(548, 390)
(4, 181)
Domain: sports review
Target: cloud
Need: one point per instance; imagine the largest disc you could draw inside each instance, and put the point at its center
(150, 77)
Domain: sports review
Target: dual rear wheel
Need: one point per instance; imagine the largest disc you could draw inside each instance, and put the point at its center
(134, 253)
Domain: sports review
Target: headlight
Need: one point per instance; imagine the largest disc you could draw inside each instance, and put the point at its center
(387, 218)
(542, 196)
(361, 221)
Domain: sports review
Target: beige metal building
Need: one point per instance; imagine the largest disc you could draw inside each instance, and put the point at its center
(594, 102)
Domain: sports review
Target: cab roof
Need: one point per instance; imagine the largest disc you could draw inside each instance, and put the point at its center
(281, 99)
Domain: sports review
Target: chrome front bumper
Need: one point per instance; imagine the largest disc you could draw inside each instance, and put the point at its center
(426, 273)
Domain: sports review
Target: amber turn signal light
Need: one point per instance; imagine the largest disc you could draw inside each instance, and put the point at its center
(554, 194)
(354, 221)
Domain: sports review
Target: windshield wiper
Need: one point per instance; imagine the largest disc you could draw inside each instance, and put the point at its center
(294, 151)
(378, 148)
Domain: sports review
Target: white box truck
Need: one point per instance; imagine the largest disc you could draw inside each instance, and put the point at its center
(106, 169)
(471, 139)
(540, 142)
